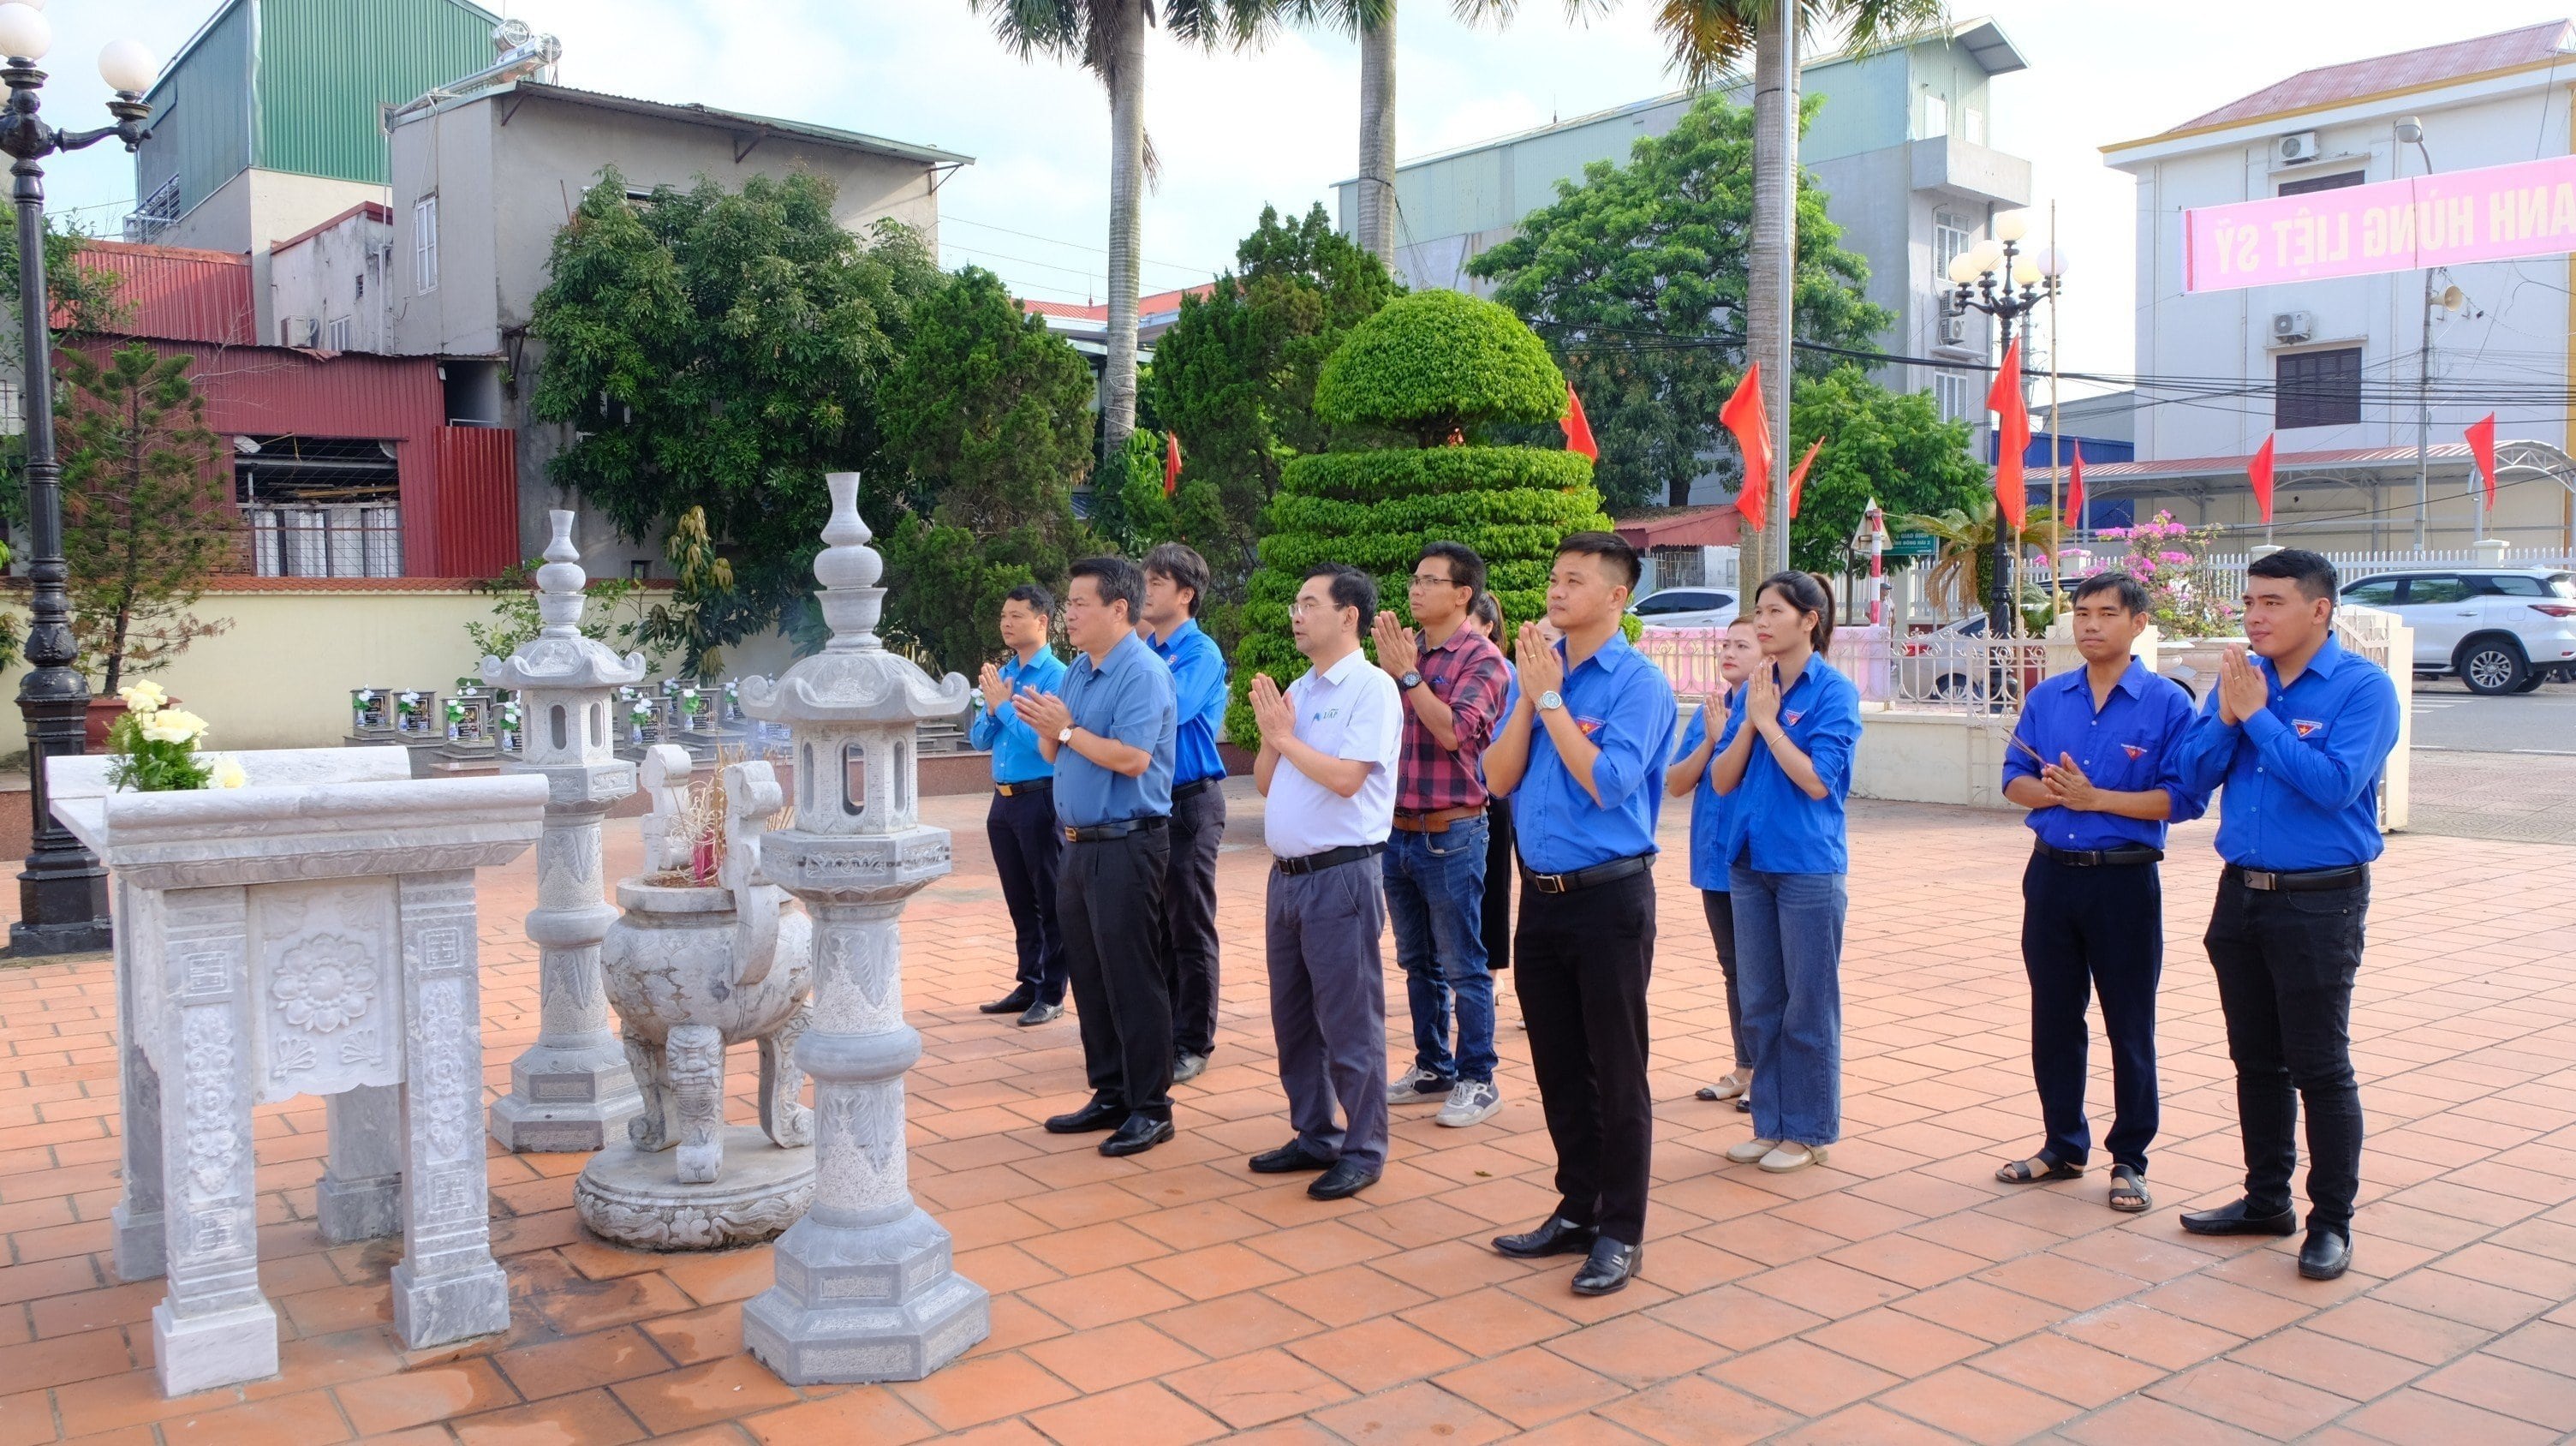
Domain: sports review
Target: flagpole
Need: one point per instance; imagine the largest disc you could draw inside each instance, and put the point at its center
(2056, 425)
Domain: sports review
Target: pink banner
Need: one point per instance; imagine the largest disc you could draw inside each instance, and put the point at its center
(2491, 214)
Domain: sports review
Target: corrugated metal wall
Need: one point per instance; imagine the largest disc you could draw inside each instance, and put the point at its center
(327, 66)
(176, 294)
(468, 525)
(201, 114)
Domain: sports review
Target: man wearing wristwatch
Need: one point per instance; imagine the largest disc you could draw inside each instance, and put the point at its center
(1110, 739)
(1582, 759)
(1452, 682)
(1028, 844)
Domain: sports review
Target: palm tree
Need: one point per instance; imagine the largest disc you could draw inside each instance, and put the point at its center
(1373, 21)
(1108, 38)
(1963, 571)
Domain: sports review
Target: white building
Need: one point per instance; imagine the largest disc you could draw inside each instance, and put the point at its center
(2331, 368)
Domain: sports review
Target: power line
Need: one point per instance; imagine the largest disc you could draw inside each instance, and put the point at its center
(947, 216)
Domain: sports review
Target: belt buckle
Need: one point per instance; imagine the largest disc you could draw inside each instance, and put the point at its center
(1072, 834)
(1548, 883)
(2262, 879)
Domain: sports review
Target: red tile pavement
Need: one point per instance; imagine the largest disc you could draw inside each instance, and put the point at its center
(1895, 1294)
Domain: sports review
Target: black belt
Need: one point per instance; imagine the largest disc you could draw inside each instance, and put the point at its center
(1103, 832)
(1022, 790)
(2304, 881)
(1581, 879)
(1329, 858)
(2097, 858)
(1184, 790)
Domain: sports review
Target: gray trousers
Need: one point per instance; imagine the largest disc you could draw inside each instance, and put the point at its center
(1328, 1007)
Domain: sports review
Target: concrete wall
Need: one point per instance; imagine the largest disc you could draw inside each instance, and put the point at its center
(1932, 758)
(257, 208)
(341, 273)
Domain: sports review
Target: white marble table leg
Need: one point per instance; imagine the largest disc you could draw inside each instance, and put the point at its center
(214, 1328)
(137, 1216)
(447, 1287)
(360, 1197)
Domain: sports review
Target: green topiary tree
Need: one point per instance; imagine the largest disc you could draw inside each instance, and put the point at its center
(1436, 367)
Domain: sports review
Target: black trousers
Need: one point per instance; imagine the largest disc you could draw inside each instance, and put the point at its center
(1584, 961)
(2285, 964)
(1189, 918)
(1719, 905)
(1498, 885)
(1028, 848)
(2089, 931)
(1109, 897)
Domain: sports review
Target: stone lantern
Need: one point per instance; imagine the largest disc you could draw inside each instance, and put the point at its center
(572, 1086)
(867, 1289)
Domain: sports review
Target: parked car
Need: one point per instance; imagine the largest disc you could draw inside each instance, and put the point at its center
(2498, 629)
(1685, 607)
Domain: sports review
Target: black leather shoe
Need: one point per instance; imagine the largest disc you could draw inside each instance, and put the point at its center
(2327, 1254)
(1041, 1013)
(2234, 1220)
(1288, 1159)
(1100, 1114)
(1609, 1268)
(1139, 1134)
(1011, 1003)
(1345, 1179)
(1559, 1236)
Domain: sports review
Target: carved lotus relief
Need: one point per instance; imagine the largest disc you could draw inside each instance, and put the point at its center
(324, 982)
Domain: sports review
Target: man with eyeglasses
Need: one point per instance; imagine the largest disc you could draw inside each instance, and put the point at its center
(1452, 680)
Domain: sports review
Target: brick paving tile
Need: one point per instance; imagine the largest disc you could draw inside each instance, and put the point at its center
(1895, 1294)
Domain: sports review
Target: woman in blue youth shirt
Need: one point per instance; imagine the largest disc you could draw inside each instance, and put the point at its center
(1785, 762)
(1711, 813)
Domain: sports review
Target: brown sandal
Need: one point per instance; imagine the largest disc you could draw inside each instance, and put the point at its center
(2019, 1172)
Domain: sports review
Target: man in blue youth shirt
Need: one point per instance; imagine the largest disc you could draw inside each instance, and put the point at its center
(1176, 583)
(2299, 735)
(1581, 756)
(1021, 825)
(1110, 738)
(2094, 758)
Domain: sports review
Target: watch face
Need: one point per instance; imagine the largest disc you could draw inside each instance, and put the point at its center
(1549, 699)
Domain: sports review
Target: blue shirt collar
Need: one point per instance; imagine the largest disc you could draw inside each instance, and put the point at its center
(2133, 679)
(1612, 655)
(2329, 661)
(1179, 635)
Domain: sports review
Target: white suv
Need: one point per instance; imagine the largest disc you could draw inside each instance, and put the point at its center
(2501, 629)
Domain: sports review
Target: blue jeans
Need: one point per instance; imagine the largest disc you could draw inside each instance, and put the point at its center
(1788, 963)
(1435, 894)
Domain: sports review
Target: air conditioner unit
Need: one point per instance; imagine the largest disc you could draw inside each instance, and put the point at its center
(2292, 149)
(1954, 329)
(2292, 327)
(300, 331)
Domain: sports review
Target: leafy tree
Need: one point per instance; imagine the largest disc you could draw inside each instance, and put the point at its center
(1637, 277)
(1427, 365)
(723, 350)
(1129, 510)
(84, 299)
(1878, 444)
(988, 413)
(1962, 576)
(1235, 378)
(701, 592)
(147, 520)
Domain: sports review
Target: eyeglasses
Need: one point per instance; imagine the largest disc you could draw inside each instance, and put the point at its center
(1424, 579)
(1304, 605)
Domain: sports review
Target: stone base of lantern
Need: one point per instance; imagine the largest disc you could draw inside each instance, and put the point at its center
(219, 1348)
(636, 1198)
(566, 1101)
(855, 1304)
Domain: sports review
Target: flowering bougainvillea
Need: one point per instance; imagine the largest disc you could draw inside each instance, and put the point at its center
(2166, 556)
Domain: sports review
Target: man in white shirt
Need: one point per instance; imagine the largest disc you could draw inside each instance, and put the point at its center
(1327, 767)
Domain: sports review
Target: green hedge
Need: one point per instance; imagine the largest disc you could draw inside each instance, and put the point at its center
(1440, 359)
(1434, 471)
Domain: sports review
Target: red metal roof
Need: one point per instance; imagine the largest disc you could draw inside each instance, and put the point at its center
(1715, 526)
(2353, 80)
(173, 293)
(1146, 306)
(382, 215)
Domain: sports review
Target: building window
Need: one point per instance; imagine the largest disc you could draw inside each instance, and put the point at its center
(11, 424)
(1936, 114)
(1972, 123)
(319, 507)
(2309, 185)
(2317, 388)
(1951, 392)
(424, 243)
(342, 330)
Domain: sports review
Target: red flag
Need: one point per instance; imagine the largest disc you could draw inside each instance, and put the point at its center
(1578, 432)
(2481, 435)
(1171, 463)
(2259, 472)
(2012, 439)
(1798, 475)
(1743, 415)
(2075, 488)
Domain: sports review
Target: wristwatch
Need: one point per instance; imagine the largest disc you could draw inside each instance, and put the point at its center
(1410, 681)
(1549, 701)
(1064, 735)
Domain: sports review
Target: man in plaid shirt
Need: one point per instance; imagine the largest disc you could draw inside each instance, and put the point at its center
(1453, 680)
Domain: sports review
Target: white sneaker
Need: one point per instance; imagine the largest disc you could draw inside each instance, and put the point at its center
(1751, 1151)
(1792, 1157)
(1469, 1104)
(1420, 1087)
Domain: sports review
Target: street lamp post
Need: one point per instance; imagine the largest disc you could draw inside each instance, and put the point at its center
(62, 895)
(2027, 281)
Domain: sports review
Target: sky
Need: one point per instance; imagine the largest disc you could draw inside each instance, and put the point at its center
(1278, 127)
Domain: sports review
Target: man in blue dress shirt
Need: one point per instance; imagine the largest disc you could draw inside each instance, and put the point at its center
(1176, 583)
(2095, 758)
(1021, 824)
(1110, 738)
(2299, 735)
(1581, 756)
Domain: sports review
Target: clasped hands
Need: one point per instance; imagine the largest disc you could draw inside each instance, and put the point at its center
(2243, 691)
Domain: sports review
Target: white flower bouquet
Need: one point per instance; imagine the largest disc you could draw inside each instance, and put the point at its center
(153, 748)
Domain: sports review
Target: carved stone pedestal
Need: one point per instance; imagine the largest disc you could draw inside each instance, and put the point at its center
(636, 1198)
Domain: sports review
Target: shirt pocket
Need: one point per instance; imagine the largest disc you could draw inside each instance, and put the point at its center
(2127, 763)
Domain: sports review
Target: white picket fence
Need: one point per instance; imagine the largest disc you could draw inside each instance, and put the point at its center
(2225, 572)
